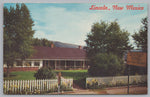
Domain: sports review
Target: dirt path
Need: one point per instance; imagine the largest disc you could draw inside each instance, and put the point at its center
(81, 91)
(123, 90)
(110, 91)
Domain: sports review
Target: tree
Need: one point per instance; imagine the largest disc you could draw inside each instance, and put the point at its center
(41, 42)
(18, 34)
(141, 37)
(9, 55)
(107, 38)
(106, 44)
(104, 64)
(45, 73)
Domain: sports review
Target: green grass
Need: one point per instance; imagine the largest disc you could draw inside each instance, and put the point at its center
(29, 75)
(21, 75)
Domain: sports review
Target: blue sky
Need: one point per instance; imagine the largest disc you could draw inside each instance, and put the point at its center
(71, 22)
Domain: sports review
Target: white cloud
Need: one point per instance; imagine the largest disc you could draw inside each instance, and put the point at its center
(132, 23)
(65, 26)
(59, 24)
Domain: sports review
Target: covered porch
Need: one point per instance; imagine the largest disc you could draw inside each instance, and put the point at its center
(66, 64)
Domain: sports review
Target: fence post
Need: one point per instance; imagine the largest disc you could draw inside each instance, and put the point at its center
(30, 84)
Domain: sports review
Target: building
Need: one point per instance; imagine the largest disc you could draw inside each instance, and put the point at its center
(136, 61)
(56, 58)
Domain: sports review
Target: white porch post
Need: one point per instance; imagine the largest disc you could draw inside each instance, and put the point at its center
(23, 62)
(32, 63)
(14, 65)
(83, 64)
(41, 64)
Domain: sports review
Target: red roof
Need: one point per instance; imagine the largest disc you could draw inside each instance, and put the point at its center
(58, 53)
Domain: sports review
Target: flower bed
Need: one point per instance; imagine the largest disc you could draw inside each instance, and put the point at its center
(102, 82)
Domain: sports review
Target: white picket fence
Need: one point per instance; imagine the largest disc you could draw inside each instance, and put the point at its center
(114, 80)
(17, 86)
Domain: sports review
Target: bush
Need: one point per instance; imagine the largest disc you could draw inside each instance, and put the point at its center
(104, 64)
(45, 73)
(80, 82)
(4, 74)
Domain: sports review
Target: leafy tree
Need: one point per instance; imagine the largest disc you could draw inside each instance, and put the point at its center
(104, 64)
(41, 42)
(45, 73)
(9, 55)
(107, 38)
(106, 44)
(141, 37)
(18, 34)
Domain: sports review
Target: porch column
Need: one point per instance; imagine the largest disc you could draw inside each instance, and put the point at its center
(23, 62)
(14, 65)
(32, 63)
(40, 64)
(83, 64)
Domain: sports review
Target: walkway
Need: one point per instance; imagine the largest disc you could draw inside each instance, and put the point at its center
(123, 90)
(109, 91)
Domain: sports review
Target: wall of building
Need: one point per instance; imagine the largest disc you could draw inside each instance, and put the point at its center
(32, 65)
(28, 63)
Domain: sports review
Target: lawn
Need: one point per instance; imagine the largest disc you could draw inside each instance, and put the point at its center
(21, 75)
(29, 75)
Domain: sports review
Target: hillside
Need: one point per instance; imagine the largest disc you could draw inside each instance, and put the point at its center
(65, 45)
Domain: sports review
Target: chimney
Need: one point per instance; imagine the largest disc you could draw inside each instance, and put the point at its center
(52, 45)
(79, 47)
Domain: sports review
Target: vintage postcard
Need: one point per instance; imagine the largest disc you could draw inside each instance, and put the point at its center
(75, 48)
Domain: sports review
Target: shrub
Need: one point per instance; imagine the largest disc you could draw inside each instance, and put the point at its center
(4, 74)
(104, 64)
(45, 73)
(80, 82)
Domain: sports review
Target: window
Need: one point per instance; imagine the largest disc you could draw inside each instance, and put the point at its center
(28, 64)
(18, 63)
(36, 63)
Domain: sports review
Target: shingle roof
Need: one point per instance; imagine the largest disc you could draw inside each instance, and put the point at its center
(58, 53)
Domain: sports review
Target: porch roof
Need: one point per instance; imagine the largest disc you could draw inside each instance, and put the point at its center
(58, 53)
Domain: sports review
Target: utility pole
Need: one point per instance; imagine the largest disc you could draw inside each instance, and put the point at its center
(59, 81)
(128, 77)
